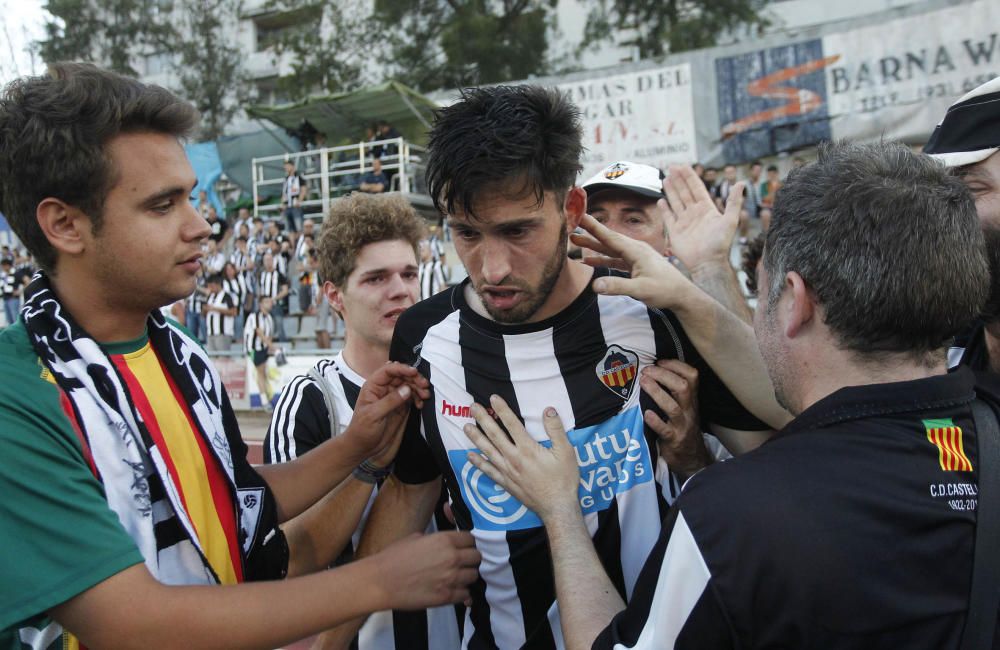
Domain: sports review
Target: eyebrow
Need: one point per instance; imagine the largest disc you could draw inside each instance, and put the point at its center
(381, 270)
(168, 193)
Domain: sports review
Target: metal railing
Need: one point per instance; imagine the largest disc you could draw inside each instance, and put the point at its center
(334, 171)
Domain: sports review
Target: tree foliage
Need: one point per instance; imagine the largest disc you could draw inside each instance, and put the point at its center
(209, 66)
(328, 46)
(659, 27)
(450, 43)
(104, 32)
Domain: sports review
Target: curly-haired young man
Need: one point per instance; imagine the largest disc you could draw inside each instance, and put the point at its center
(368, 264)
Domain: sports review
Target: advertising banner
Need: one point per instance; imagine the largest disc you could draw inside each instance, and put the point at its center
(772, 100)
(643, 117)
(896, 79)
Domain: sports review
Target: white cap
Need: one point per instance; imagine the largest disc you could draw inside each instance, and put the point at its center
(970, 130)
(632, 177)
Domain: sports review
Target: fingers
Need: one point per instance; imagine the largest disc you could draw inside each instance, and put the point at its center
(614, 286)
(676, 366)
(674, 202)
(490, 427)
(604, 261)
(662, 398)
(657, 425)
(677, 384)
(510, 421)
(614, 244)
(487, 467)
(482, 443)
(391, 372)
(382, 408)
(554, 428)
(694, 185)
(735, 202)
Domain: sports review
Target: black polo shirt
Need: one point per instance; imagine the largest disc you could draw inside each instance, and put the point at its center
(970, 349)
(852, 528)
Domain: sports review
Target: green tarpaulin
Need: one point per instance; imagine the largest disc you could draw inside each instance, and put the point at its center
(343, 117)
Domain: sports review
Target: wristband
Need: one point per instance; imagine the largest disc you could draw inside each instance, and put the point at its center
(369, 472)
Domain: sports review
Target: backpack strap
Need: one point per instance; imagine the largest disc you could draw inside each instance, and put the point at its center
(328, 399)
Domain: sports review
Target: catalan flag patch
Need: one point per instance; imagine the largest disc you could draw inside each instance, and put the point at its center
(947, 437)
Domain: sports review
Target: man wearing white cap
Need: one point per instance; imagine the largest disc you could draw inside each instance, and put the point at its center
(968, 140)
(624, 197)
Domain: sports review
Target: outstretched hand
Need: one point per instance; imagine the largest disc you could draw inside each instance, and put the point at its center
(699, 232)
(545, 479)
(654, 280)
(382, 408)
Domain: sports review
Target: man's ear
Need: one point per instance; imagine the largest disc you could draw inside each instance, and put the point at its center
(574, 207)
(65, 226)
(801, 305)
(334, 296)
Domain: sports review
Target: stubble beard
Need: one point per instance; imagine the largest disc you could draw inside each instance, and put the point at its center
(537, 296)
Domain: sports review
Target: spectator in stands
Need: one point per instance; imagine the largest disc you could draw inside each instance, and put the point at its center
(272, 283)
(203, 204)
(219, 310)
(388, 132)
(242, 219)
(729, 179)
(220, 229)
(301, 247)
(238, 285)
(11, 290)
(431, 273)
(770, 187)
(214, 258)
(699, 170)
(710, 178)
(258, 343)
(375, 181)
(293, 192)
(192, 316)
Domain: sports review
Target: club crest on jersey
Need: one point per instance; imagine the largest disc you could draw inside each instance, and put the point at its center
(618, 369)
(614, 171)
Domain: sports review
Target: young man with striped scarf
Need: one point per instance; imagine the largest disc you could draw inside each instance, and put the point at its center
(127, 496)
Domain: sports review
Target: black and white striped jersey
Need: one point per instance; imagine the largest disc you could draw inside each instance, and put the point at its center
(299, 423)
(240, 260)
(8, 284)
(217, 323)
(431, 277)
(269, 283)
(585, 362)
(853, 528)
(251, 339)
(238, 288)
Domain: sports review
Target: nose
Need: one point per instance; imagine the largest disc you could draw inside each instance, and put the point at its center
(196, 227)
(496, 261)
(397, 286)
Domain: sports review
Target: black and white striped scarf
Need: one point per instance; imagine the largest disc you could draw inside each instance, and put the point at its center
(136, 480)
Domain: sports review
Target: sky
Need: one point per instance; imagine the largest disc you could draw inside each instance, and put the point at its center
(21, 22)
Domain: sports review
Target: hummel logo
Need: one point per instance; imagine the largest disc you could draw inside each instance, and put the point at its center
(455, 410)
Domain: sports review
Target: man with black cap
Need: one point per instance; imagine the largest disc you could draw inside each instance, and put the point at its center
(624, 196)
(968, 141)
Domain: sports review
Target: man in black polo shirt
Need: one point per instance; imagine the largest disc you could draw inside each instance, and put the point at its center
(853, 527)
(968, 141)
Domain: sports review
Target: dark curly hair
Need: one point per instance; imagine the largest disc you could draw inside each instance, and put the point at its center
(493, 137)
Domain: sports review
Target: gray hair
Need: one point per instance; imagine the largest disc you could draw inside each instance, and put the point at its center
(889, 242)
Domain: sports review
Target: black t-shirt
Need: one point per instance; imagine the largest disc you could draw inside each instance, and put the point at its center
(853, 528)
